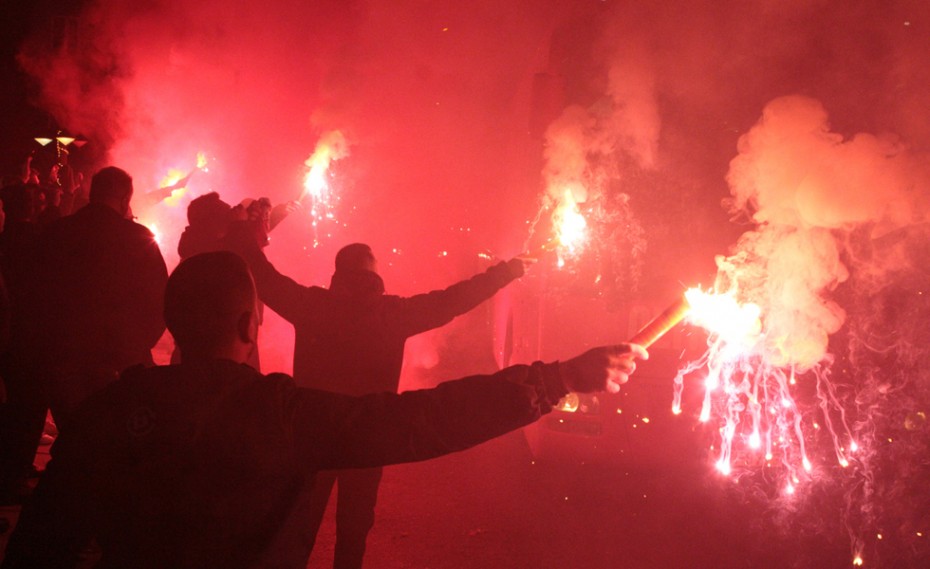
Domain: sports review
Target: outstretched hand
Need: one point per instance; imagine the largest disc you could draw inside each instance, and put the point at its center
(601, 369)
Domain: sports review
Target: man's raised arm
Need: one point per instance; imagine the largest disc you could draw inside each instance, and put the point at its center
(424, 312)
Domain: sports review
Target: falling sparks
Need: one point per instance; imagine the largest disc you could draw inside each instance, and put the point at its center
(747, 392)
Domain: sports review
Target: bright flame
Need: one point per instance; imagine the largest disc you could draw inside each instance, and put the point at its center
(331, 146)
(570, 227)
(738, 325)
(570, 224)
(173, 177)
(177, 180)
(154, 229)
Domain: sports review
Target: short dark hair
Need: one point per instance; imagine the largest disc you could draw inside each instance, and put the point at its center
(204, 298)
(110, 183)
(209, 212)
(354, 257)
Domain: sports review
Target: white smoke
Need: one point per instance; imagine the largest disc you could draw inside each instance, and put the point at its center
(807, 187)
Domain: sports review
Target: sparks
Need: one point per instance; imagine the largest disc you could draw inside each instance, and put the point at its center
(748, 391)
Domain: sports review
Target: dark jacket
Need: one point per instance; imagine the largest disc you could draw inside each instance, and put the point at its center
(196, 465)
(350, 338)
(101, 280)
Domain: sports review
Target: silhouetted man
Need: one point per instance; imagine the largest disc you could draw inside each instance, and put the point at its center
(197, 465)
(350, 339)
(100, 287)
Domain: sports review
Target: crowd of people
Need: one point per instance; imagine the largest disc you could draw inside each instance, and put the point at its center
(207, 462)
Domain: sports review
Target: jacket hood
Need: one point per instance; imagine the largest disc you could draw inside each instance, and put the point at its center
(357, 284)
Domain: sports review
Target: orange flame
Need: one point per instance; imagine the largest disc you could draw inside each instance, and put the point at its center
(331, 146)
(570, 227)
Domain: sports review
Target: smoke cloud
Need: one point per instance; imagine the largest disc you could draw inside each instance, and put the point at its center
(807, 188)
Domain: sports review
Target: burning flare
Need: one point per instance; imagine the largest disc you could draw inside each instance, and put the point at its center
(176, 180)
(569, 223)
(331, 146)
(748, 389)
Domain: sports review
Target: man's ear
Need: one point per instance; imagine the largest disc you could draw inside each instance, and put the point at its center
(246, 331)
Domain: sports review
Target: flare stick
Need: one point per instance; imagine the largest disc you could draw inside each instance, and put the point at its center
(658, 326)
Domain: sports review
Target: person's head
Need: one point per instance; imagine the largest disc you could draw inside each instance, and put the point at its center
(112, 187)
(356, 257)
(210, 307)
(210, 214)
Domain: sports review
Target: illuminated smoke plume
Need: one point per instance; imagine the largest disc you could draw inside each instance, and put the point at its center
(583, 144)
(811, 192)
(806, 187)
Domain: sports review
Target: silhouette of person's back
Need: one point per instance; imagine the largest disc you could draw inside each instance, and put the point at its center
(101, 280)
(350, 339)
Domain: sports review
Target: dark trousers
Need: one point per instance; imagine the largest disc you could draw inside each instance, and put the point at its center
(357, 494)
(22, 421)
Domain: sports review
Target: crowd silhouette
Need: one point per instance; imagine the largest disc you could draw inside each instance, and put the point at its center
(207, 462)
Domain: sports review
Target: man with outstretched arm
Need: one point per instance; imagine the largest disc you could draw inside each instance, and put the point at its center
(349, 339)
(197, 465)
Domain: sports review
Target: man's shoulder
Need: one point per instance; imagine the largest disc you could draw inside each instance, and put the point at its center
(177, 385)
(219, 368)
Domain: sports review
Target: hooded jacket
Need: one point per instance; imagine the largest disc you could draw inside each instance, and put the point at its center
(350, 337)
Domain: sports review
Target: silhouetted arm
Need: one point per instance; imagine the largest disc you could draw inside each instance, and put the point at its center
(424, 312)
(387, 428)
(282, 294)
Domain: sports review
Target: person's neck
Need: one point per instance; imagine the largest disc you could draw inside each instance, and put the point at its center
(115, 208)
(233, 354)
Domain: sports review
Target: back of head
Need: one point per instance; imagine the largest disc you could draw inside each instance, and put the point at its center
(205, 298)
(209, 213)
(112, 187)
(355, 257)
